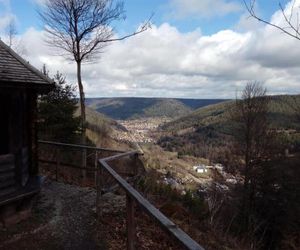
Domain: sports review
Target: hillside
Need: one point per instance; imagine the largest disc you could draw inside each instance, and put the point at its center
(207, 131)
(206, 116)
(103, 131)
(100, 120)
(281, 115)
(133, 108)
(167, 108)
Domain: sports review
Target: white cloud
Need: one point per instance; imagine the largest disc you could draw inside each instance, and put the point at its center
(203, 8)
(165, 62)
(247, 23)
(5, 14)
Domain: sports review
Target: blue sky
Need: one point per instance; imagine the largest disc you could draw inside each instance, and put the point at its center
(139, 10)
(195, 49)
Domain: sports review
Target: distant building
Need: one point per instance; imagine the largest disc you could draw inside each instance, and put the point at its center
(200, 169)
(20, 83)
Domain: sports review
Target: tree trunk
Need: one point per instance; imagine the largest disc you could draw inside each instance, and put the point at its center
(82, 97)
(83, 116)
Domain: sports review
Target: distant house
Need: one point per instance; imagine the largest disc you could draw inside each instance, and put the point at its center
(20, 83)
(200, 169)
(195, 167)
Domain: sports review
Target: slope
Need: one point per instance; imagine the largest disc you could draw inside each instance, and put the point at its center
(103, 131)
(132, 108)
(281, 114)
(207, 132)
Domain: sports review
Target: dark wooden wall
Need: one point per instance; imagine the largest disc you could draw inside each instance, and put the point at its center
(18, 142)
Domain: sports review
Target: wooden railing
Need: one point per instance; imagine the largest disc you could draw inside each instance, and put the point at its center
(133, 197)
(59, 149)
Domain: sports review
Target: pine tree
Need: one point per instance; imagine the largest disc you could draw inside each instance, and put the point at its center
(57, 112)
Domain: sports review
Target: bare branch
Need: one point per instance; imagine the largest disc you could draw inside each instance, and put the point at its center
(250, 8)
(82, 28)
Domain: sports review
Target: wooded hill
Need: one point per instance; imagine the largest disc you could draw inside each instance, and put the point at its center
(133, 108)
(282, 115)
(207, 131)
(101, 129)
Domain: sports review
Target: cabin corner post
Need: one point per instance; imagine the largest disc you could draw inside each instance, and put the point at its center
(33, 136)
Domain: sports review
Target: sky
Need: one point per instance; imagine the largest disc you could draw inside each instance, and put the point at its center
(195, 49)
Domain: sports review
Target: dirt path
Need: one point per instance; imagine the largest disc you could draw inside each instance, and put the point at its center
(63, 217)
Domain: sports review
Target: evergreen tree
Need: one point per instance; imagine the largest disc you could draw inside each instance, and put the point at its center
(57, 112)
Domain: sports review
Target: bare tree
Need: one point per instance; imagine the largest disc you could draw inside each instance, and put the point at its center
(11, 38)
(252, 134)
(291, 25)
(81, 28)
(11, 32)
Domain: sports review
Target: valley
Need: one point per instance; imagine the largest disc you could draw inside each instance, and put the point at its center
(174, 144)
(144, 125)
(194, 163)
(163, 150)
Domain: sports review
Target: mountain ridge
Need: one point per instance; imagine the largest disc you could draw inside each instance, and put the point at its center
(123, 108)
(280, 114)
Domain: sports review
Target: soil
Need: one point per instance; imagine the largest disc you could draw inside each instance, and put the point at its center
(63, 217)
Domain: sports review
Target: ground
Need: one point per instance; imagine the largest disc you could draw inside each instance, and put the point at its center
(63, 217)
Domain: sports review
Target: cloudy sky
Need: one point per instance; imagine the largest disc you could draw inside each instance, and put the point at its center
(195, 49)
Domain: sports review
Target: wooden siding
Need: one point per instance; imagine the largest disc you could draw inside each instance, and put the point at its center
(25, 166)
(7, 175)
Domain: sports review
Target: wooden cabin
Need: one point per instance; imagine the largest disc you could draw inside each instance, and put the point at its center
(20, 84)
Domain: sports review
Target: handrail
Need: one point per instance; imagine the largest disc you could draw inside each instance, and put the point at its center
(133, 196)
(166, 224)
(80, 146)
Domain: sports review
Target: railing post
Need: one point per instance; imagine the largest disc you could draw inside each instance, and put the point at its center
(135, 169)
(84, 155)
(131, 231)
(96, 167)
(99, 189)
(57, 163)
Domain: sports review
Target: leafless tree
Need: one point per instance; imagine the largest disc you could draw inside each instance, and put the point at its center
(291, 25)
(11, 38)
(11, 32)
(81, 29)
(253, 138)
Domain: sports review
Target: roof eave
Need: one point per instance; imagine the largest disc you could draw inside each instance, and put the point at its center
(40, 88)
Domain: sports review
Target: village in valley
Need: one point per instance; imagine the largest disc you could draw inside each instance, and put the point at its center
(141, 130)
(145, 131)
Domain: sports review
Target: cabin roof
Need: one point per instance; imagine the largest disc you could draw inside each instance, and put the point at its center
(15, 71)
